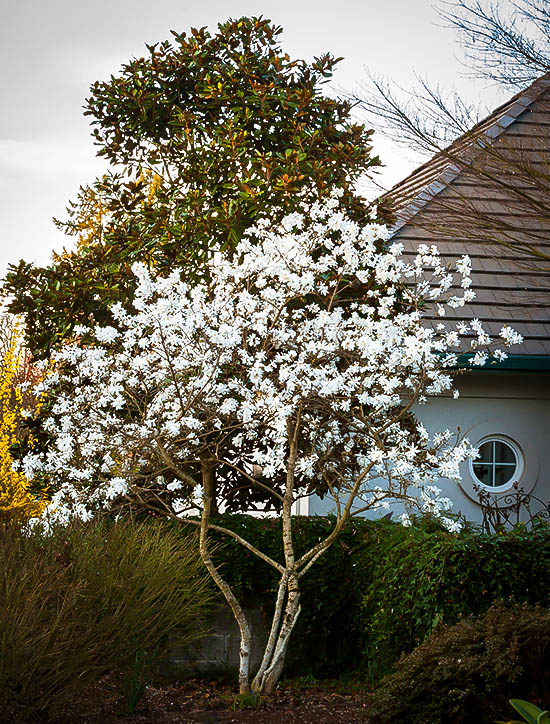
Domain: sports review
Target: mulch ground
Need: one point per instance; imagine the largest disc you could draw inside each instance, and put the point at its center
(195, 701)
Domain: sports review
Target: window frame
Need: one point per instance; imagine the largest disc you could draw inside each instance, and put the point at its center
(510, 427)
(519, 463)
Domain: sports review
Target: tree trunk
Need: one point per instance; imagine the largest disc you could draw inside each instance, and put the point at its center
(271, 668)
(273, 634)
(208, 474)
(244, 651)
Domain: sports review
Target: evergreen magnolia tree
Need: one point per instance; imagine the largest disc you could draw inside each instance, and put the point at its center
(277, 370)
(205, 133)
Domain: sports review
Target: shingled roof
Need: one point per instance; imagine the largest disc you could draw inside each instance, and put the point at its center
(468, 196)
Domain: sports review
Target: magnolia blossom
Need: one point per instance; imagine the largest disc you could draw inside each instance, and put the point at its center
(311, 335)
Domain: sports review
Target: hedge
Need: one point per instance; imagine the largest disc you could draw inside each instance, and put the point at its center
(422, 576)
(382, 588)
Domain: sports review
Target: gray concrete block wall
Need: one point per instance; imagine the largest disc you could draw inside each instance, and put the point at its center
(217, 652)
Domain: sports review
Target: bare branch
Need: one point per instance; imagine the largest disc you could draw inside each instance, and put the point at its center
(504, 42)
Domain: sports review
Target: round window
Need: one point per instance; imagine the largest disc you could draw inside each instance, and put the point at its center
(499, 463)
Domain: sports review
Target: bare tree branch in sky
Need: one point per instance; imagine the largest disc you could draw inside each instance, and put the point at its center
(505, 177)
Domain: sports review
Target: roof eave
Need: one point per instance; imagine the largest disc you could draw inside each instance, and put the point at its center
(448, 175)
(513, 363)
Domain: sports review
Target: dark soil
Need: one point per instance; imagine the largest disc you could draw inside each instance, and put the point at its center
(195, 701)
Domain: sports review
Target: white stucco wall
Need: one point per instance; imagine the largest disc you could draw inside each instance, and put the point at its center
(515, 406)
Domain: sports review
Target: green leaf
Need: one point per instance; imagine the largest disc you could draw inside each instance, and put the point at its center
(530, 712)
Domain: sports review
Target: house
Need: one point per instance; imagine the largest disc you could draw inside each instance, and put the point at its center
(492, 185)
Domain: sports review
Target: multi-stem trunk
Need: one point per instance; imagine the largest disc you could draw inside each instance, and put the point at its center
(273, 660)
(287, 607)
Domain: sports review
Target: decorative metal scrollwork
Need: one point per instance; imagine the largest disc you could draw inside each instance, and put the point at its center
(510, 508)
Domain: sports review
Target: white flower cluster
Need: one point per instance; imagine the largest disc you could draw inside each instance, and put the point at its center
(312, 331)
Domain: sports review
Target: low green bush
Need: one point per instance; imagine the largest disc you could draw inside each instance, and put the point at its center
(86, 601)
(467, 672)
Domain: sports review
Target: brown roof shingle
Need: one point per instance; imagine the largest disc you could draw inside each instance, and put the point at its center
(469, 180)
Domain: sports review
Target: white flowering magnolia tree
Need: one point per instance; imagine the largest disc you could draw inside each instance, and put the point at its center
(294, 372)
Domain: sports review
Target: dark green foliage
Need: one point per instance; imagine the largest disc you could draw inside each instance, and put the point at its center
(418, 577)
(207, 133)
(382, 588)
(87, 601)
(467, 672)
(324, 640)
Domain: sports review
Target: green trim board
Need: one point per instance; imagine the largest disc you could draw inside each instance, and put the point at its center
(533, 362)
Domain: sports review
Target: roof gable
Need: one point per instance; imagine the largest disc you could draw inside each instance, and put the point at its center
(409, 196)
(466, 198)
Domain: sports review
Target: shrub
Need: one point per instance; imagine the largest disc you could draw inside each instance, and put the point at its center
(414, 578)
(467, 672)
(85, 601)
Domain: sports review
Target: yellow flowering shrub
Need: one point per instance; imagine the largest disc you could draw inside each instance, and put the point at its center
(16, 500)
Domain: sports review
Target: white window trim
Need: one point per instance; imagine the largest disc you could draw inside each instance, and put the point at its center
(508, 429)
(518, 472)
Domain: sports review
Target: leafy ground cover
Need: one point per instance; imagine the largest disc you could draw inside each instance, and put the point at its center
(195, 700)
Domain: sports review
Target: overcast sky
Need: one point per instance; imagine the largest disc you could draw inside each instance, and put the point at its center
(52, 50)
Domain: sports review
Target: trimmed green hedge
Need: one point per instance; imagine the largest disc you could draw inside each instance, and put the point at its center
(423, 575)
(382, 588)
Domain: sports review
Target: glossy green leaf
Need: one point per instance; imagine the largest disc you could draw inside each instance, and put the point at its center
(530, 712)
